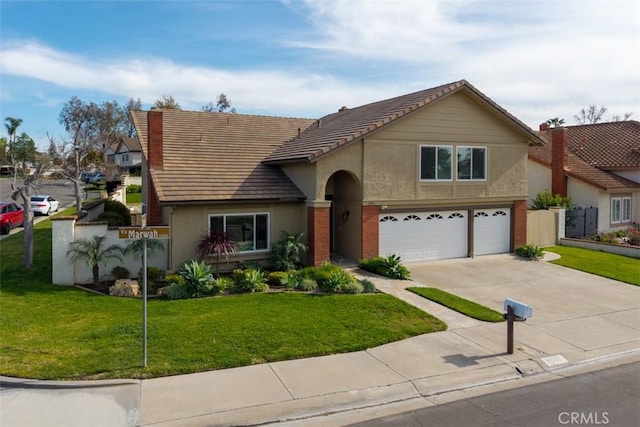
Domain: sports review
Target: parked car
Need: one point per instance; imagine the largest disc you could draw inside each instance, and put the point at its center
(96, 178)
(84, 176)
(43, 204)
(11, 216)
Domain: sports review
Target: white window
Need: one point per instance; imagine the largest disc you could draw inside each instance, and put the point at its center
(250, 232)
(435, 163)
(472, 163)
(620, 210)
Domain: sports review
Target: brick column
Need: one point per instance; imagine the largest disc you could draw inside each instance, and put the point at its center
(519, 218)
(370, 231)
(318, 235)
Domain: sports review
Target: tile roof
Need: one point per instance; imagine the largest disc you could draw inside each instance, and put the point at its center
(131, 143)
(613, 145)
(348, 125)
(579, 169)
(217, 156)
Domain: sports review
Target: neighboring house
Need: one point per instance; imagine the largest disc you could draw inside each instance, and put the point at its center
(128, 156)
(439, 173)
(110, 168)
(597, 165)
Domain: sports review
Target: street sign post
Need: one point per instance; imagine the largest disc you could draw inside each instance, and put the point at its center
(144, 233)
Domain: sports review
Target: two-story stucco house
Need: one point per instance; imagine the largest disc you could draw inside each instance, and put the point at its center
(439, 173)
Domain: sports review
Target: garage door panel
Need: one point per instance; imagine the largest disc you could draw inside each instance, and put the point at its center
(492, 231)
(424, 235)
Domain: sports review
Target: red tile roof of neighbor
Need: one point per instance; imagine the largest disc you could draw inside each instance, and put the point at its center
(613, 145)
(579, 169)
(351, 124)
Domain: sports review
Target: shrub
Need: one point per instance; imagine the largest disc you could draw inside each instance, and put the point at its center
(176, 291)
(221, 284)
(350, 288)
(154, 278)
(277, 278)
(529, 251)
(216, 244)
(634, 236)
(389, 266)
(198, 277)
(328, 277)
(134, 188)
(368, 286)
(115, 214)
(119, 272)
(306, 284)
(285, 253)
(249, 281)
(170, 279)
(546, 200)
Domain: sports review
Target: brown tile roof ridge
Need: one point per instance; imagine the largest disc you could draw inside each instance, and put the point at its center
(581, 170)
(349, 124)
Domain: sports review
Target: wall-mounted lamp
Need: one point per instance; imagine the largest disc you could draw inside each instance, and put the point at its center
(345, 215)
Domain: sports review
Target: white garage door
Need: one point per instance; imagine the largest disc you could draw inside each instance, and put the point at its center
(491, 231)
(424, 235)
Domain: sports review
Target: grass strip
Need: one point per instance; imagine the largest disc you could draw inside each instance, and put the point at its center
(613, 266)
(461, 305)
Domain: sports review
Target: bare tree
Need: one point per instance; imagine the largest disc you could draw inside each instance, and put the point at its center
(129, 128)
(24, 190)
(167, 103)
(593, 115)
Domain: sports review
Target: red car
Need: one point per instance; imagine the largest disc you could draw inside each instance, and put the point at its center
(11, 216)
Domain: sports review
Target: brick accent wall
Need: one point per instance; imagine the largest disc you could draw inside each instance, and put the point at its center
(519, 224)
(558, 161)
(370, 231)
(155, 161)
(318, 235)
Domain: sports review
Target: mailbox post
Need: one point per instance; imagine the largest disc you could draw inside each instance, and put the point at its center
(515, 312)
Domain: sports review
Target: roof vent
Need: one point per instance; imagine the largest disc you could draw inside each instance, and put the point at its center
(344, 107)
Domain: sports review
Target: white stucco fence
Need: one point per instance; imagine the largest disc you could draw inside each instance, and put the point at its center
(630, 251)
(66, 230)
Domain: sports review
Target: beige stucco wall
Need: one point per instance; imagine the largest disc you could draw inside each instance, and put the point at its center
(189, 223)
(391, 157)
(539, 179)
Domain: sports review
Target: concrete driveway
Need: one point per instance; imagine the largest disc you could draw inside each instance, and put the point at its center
(573, 312)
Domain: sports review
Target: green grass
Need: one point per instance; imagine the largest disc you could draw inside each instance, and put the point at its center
(134, 197)
(60, 332)
(461, 305)
(612, 266)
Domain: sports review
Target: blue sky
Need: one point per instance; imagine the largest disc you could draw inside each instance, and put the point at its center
(300, 58)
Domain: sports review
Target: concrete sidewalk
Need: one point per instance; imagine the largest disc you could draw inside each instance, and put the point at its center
(580, 321)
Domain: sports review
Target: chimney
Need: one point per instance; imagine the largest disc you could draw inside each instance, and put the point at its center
(559, 161)
(544, 127)
(154, 161)
(343, 108)
(154, 143)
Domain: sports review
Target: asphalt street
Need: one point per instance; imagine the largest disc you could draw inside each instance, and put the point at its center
(608, 397)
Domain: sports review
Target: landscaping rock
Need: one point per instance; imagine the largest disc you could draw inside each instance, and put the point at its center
(125, 288)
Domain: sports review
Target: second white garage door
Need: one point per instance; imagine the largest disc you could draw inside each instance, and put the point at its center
(424, 235)
(491, 231)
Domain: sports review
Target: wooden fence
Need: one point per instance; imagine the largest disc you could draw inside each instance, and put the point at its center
(545, 227)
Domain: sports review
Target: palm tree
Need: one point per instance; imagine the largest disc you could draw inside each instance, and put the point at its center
(94, 253)
(12, 128)
(555, 122)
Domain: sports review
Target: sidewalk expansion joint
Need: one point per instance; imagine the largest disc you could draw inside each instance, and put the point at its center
(282, 382)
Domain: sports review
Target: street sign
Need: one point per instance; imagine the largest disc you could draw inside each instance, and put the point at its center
(152, 232)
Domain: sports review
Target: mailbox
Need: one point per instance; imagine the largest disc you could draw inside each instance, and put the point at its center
(520, 309)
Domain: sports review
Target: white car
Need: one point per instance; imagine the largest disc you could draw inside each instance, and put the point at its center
(43, 204)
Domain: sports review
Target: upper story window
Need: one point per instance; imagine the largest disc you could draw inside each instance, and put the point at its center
(250, 232)
(435, 162)
(472, 163)
(620, 209)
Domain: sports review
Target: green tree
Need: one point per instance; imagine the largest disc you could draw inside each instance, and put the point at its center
(24, 150)
(286, 252)
(12, 126)
(94, 252)
(555, 122)
(3, 150)
(167, 103)
(223, 105)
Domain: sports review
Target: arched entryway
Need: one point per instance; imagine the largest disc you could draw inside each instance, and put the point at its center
(344, 191)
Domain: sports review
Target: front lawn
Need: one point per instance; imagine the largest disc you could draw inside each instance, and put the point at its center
(58, 332)
(617, 267)
(134, 198)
